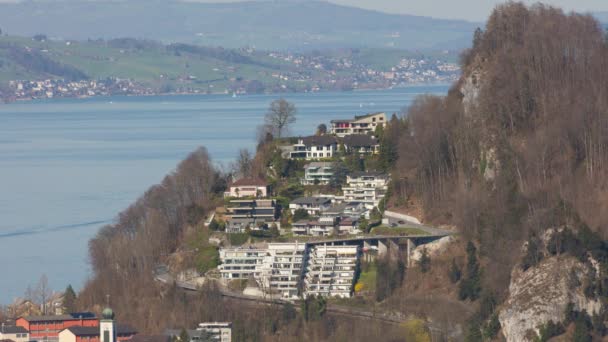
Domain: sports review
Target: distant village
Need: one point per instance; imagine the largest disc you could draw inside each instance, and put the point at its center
(337, 74)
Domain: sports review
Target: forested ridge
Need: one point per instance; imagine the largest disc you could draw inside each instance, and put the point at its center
(521, 135)
(517, 147)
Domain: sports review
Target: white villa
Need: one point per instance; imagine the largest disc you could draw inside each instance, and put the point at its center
(313, 147)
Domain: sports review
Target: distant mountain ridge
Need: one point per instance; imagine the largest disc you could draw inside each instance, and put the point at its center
(266, 24)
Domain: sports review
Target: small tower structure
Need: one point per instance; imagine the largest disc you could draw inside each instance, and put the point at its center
(107, 326)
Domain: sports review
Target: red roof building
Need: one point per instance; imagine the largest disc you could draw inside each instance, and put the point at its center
(45, 327)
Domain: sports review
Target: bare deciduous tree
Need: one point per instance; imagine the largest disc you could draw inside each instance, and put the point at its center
(281, 114)
(43, 292)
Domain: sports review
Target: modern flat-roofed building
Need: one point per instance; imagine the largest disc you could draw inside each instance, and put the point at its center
(258, 209)
(313, 147)
(282, 269)
(366, 187)
(218, 331)
(317, 173)
(361, 124)
(331, 270)
(241, 262)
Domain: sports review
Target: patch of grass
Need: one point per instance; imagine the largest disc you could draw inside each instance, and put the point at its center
(238, 238)
(367, 278)
(237, 285)
(397, 231)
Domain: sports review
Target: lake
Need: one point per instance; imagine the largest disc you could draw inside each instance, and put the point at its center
(69, 166)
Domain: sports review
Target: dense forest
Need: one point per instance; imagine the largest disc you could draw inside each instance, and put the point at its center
(520, 137)
(518, 146)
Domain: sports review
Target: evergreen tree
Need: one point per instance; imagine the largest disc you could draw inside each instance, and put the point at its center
(69, 299)
(470, 287)
(425, 261)
(454, 273)
(183, 336)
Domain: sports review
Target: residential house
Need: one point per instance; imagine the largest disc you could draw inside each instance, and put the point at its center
(331, 270)
(344, 209)
(218, 331)
(317, 173)
(313, 147)
(14, 333)
(368, 188)
(249, 212)
(247, 187)
(362, 124)
(361, 144)
(241, 262)
(313, 205)
(315, 227)
(349, 225)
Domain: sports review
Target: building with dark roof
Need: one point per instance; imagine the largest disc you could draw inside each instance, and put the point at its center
(14, 333)
(313, 205)
(361, 144)
(92, 334)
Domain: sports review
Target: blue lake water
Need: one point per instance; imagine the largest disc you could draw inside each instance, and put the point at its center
(68, 166)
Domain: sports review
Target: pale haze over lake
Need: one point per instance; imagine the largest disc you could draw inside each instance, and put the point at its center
(69, 166)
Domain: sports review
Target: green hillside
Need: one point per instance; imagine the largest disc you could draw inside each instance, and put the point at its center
(192, 68)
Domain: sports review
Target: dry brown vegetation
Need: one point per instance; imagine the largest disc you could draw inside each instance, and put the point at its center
(534, 138)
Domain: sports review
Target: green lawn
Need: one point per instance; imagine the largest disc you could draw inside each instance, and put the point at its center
(397, 231)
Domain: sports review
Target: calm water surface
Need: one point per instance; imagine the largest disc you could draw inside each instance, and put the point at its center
(67, 167)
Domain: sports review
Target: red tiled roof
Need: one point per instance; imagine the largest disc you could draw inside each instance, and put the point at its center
(249, 181)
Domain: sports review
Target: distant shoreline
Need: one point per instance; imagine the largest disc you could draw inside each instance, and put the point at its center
(409, 85)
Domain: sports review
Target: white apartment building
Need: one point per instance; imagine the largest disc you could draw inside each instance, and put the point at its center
(241, 262)
(282, 269)
(330, 271)
(219, 331)
(314, 147)
(362, 124)
(366, 187)
(317, 173)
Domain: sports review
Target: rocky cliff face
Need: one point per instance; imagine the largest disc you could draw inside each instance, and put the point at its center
(541, 294)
